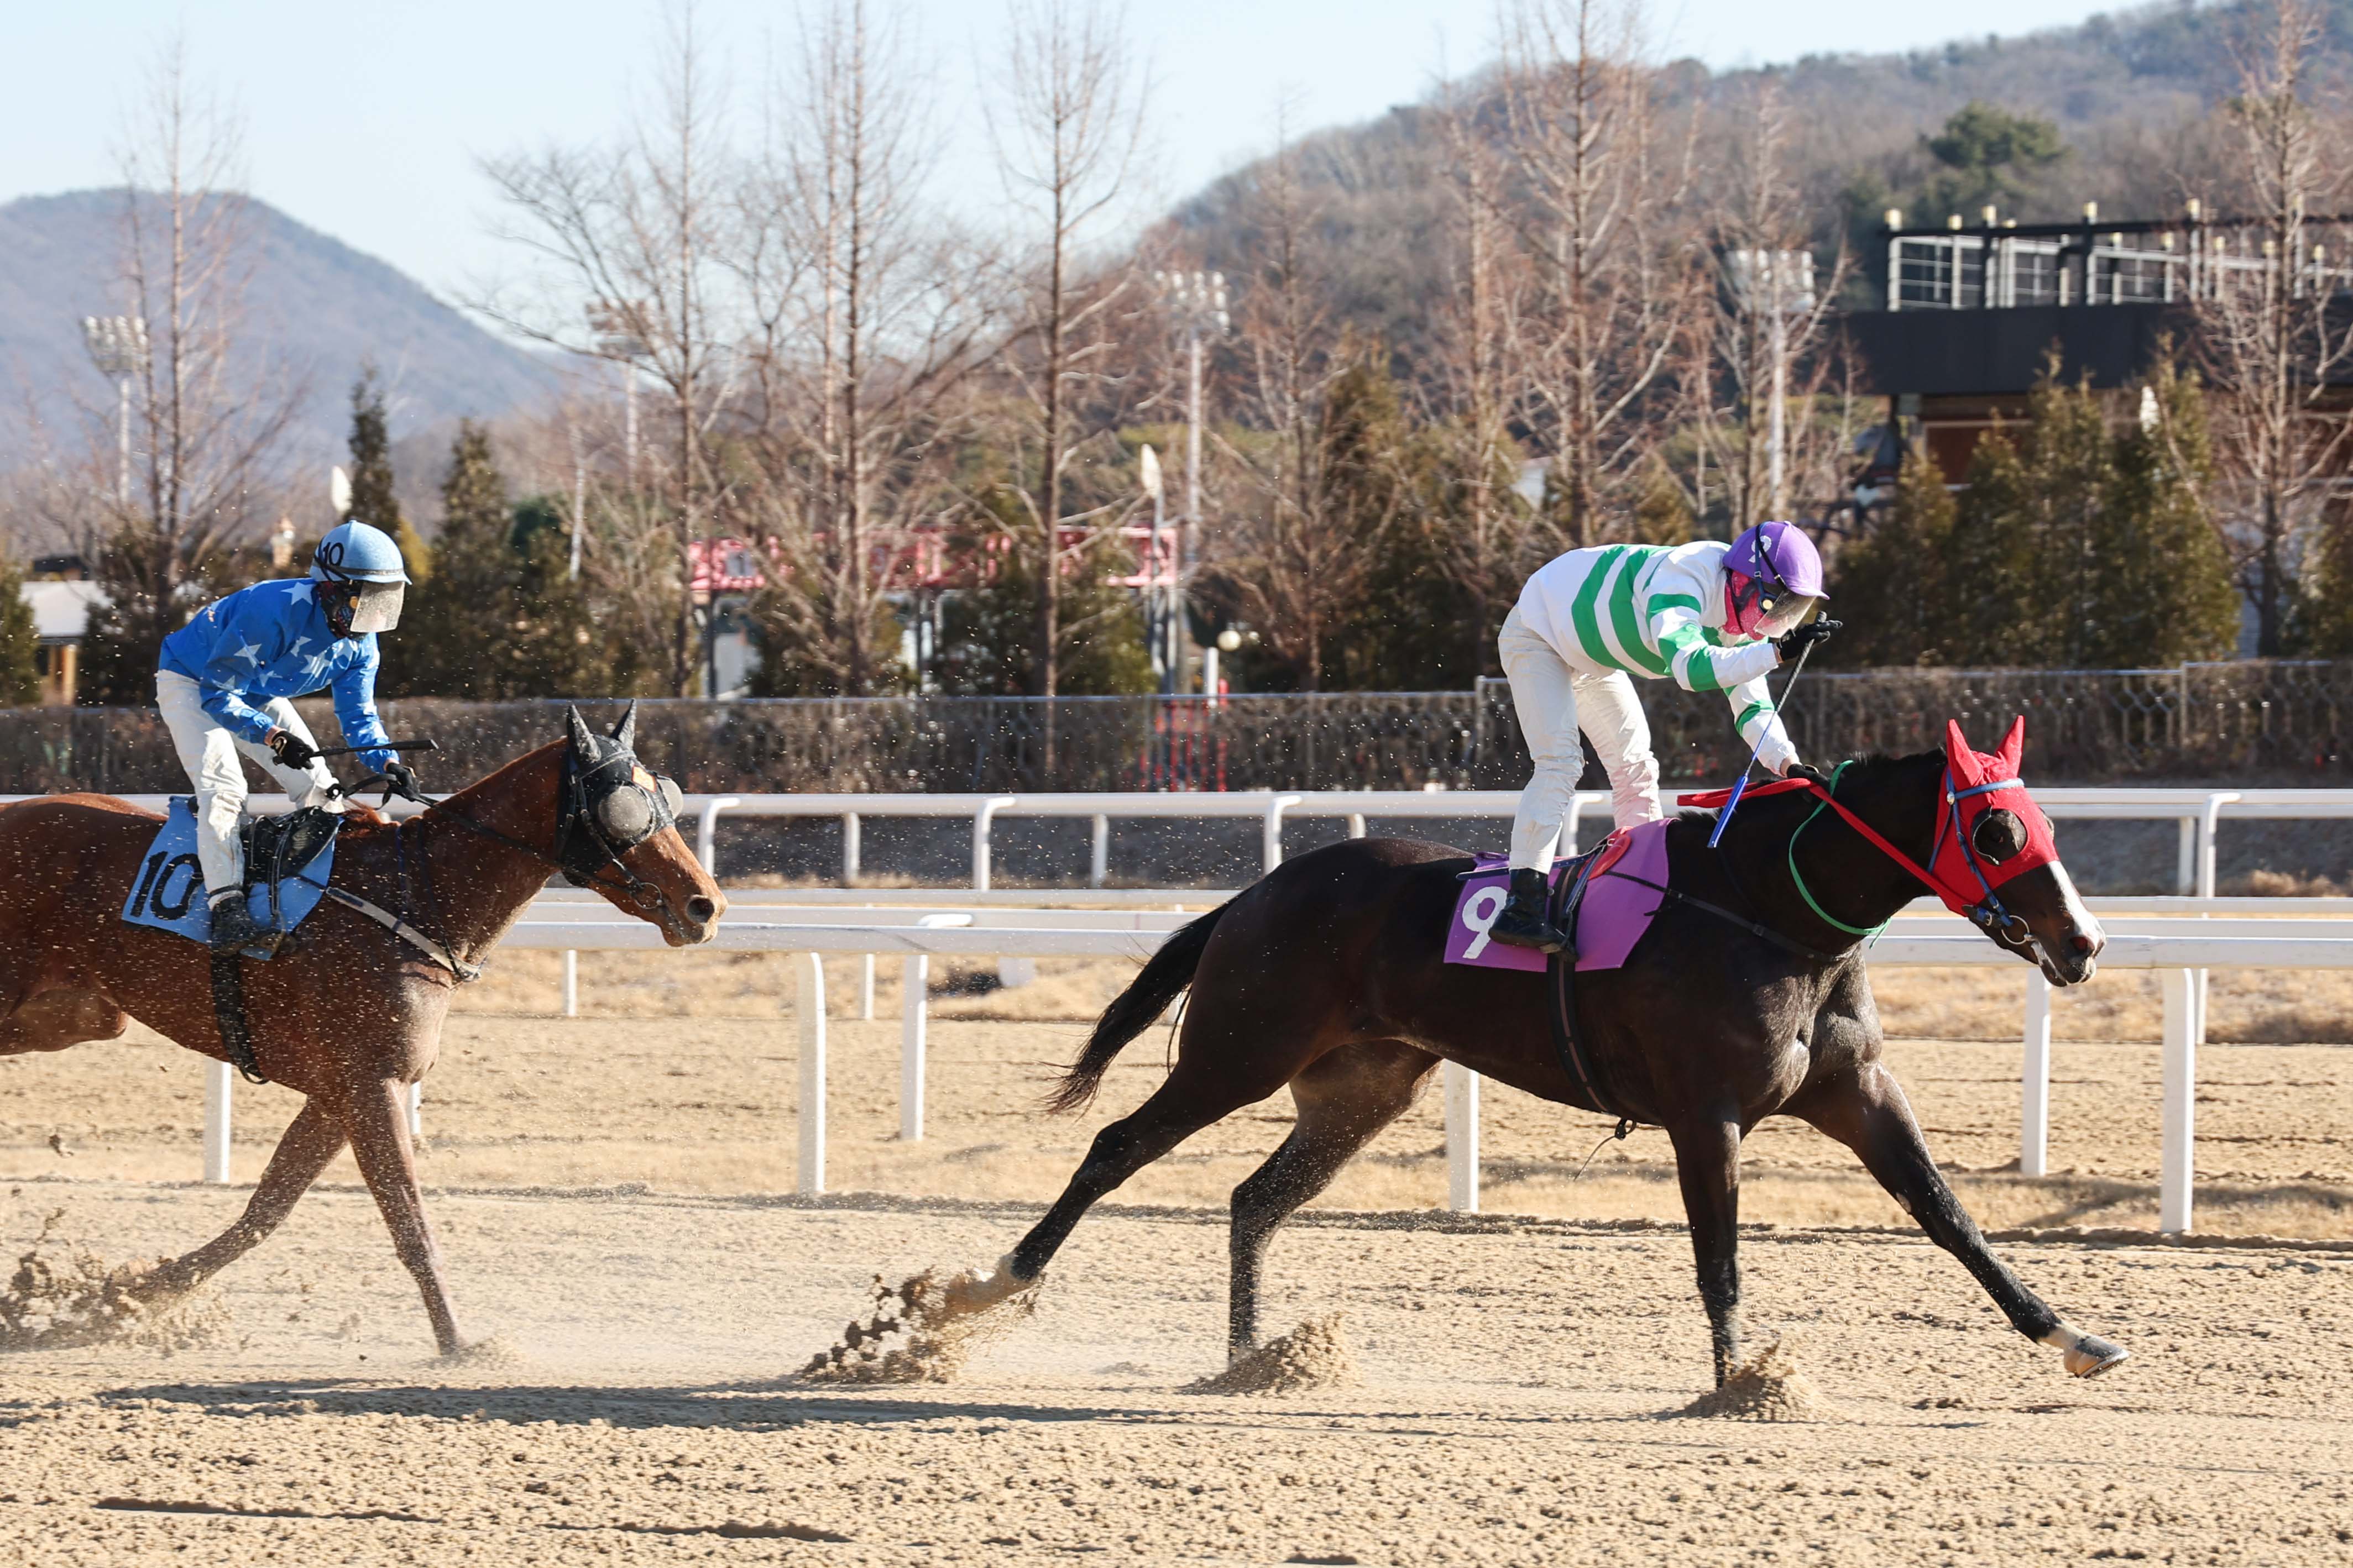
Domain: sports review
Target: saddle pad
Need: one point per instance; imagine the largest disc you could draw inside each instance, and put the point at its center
(1612, 918)
(168, 893)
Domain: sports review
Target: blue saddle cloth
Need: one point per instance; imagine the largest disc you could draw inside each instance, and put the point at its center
(169, 891)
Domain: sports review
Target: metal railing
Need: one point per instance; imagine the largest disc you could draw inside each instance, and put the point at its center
(2267, 722)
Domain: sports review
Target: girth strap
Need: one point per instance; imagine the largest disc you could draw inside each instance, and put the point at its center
(228, 1014)
(1560, 970)
(437, 952)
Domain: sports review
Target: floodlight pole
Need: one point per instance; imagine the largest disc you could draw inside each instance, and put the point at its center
(118, 347)
(1198, 302)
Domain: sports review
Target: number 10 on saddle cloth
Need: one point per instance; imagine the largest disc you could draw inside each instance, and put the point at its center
(1620, 897)
(168, 892)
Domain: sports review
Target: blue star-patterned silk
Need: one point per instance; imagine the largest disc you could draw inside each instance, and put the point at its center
(272, 640)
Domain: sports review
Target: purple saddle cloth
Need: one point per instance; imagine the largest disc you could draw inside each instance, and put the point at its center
(1618, 909)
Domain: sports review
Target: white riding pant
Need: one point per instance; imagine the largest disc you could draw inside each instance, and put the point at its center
(210, 753)
(1554, 702)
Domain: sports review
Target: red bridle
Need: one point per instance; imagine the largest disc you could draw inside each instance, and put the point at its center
(1957, 872)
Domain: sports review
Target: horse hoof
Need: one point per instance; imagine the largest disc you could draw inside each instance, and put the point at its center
(2091, 1355)
(973, 1291)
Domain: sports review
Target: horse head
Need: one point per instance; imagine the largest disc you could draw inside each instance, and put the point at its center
(617, 832)
(1995, 860)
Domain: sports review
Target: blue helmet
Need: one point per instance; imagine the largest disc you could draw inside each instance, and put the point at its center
(361, 579)
(355, 552)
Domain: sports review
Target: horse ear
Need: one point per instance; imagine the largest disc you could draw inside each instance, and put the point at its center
(584, 738)
(2014, 747)
(626, 732)
(1958, 755)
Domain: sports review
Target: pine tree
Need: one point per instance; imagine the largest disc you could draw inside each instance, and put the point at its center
(1988, 611)
(373, 501)
(20, 642)
(1891, 584)
(502, 618)
(2166, 594)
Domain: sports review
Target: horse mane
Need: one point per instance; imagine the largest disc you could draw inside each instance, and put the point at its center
(1869, 765)
(375, 823)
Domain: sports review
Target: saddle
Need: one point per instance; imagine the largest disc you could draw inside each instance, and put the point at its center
(275, 850)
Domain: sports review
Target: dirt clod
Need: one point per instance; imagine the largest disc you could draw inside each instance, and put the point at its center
(62, 1294)
(921, 1330)
(1315, 1354)
(1767, 1387)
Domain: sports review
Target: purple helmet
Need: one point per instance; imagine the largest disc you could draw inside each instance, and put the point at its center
(1781, 579)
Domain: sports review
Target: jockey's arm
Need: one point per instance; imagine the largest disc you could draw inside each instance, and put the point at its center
(355, 694)
(1760, 725)
(242, 646)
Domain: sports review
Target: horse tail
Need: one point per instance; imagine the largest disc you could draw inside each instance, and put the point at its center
(1130, 1013)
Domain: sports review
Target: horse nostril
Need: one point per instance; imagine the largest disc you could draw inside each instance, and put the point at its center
(700, 910)
(2082, 943)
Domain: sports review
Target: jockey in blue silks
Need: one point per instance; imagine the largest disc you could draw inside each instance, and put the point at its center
(224, 689)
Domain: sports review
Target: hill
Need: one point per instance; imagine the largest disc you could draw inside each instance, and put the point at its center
(318, 309)
(2129, 94)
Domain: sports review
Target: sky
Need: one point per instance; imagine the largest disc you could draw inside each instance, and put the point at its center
(366, 120)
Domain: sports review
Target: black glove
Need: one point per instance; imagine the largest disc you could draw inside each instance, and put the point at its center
(1797, 639)
(403, 780)
(292, 751)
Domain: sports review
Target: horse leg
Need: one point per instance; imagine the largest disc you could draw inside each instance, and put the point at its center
(311, 1140)
(1191, 1099)
(1707, 1165)
(1344, 1100)
(375, 1118)
(1865, 1110)
(53, 1020)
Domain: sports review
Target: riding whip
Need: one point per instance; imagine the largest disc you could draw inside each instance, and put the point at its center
(416, 745)
(1723, 817)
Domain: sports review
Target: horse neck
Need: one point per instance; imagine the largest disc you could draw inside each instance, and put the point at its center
(480, 884)
(1847, 876)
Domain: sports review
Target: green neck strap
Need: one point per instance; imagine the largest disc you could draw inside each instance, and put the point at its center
(1798, 877)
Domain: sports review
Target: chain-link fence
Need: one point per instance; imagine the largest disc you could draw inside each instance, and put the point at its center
(2254, 722)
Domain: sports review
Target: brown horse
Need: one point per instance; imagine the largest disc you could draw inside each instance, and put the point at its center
(348, 1013)
(1747, 998)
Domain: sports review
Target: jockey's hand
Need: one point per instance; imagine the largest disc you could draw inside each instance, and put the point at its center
(1807, 771)
(1797, 639)
(291, 750)
(403, 780)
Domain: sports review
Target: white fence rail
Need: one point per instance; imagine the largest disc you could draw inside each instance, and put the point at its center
(2176, 947)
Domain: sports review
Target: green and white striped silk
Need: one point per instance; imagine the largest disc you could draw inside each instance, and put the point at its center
(1655, 612)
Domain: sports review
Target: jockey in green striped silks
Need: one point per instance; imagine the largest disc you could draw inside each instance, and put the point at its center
(1707, 615)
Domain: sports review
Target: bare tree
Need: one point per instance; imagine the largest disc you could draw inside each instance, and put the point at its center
(2268, 337)
(208, 413)
(1298, 551)
(1066, 134)
(629, 236)
(870, 313)
(1613, 289)
(1756, 374)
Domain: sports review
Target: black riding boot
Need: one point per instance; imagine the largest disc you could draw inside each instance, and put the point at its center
(234, 927)
(1523, 920)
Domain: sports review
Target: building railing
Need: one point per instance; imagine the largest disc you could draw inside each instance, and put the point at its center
(2252, 723)
(2090, 263)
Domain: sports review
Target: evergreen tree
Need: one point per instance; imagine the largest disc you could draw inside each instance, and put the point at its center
(2166, 593)
(1891, 589)
(1989, 611)
(20, 642)
(502, 618)
(2323, 623)
(373, 501)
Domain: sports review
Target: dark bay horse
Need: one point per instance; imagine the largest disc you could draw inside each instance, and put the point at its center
(1326, 976)
(348, 1013)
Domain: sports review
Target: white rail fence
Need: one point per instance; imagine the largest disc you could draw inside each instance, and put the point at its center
(2176, 946)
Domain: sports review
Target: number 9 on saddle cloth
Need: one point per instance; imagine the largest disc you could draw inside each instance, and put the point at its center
(288, 860)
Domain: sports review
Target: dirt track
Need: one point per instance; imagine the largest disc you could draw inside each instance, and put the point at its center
(1508, 1414)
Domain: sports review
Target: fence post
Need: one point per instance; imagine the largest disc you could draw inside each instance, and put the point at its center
(706, 834)
(2176, 1171)
(1098, 853)
(850, 852)
(571, 983)
(2035, 1092)
(220, 1091)
(2185, 864)
(866, 987)
(1356, 825)
(1270, 830)
(913, 1006)
(1462, 1088)
(981, 818)
(417, 1110)
(811, 1173)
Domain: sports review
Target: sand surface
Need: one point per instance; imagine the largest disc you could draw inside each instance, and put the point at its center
(1504, 1411)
